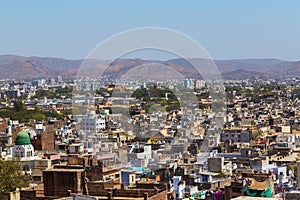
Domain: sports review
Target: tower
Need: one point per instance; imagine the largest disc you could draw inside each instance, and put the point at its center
(187, 83)
(9, 132)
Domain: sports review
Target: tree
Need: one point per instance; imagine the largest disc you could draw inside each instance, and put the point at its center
(19, 106)
(45, 93)
(11, 177)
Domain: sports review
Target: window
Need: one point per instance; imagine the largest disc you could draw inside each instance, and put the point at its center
(204, 179)
(25, 168)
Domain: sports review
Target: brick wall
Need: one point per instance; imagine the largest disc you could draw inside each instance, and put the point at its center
(48, 139)
(94, 174)
(28, 194)
(58, 182)
(44, 141)
(37, 142)
(96, 188)
(143, 191)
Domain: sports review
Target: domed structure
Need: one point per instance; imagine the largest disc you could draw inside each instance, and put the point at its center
(23, 147)
(22, 138)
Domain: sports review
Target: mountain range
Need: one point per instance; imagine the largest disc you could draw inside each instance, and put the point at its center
(20, 67)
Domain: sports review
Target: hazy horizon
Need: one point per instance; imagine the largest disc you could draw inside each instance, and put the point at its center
(226, 29)
(154, 59)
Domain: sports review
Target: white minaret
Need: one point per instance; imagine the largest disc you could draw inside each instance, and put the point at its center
(9, 134)
(9, 138)
(167, 96)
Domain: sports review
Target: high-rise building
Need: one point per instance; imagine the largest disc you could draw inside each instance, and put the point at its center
(59, 79)
(52, 81)
(198, 84)
(187, 83)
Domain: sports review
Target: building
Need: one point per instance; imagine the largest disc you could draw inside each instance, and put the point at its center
(13, 94)
(139, 156)
(57, 182)
(23, 148)
(198, 84)
(142, 191)
(59, 79)
(44, 140)
(187, 83)
(128, 177)
(235, 135)
(107, 168)
(93, 122)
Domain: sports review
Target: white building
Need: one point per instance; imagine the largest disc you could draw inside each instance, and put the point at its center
(198, 84)
(23, 147)
(77, 148)
(139, 156)
(93, 122)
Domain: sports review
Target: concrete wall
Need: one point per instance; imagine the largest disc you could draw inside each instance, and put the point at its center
(160, 196)
(215, 164)
(292, 196)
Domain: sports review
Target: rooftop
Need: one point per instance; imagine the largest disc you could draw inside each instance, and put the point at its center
(254, 198)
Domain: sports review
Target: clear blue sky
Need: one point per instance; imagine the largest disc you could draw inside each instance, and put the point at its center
(226, 28)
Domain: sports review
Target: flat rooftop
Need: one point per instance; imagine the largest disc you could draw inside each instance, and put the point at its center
(64, 170)
(255, 198)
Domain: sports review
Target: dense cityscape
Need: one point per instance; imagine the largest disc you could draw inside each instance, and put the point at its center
(149, 100)
(135, 141)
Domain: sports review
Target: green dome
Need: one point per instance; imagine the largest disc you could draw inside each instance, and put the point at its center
(22, 138)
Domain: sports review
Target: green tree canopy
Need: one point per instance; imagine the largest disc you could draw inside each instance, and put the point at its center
(11, 177)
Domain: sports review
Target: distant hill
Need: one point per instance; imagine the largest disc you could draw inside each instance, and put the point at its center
(259, 65)
(20, 67)
(57, 63)
(242, 74)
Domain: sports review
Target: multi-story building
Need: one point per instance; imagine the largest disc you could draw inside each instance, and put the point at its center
(198, 84)
(235, 135)
(187, 83)
(93, 122)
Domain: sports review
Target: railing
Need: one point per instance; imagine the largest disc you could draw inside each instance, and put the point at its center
(111, 167)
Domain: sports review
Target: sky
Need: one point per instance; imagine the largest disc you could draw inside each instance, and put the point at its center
(227, 29)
